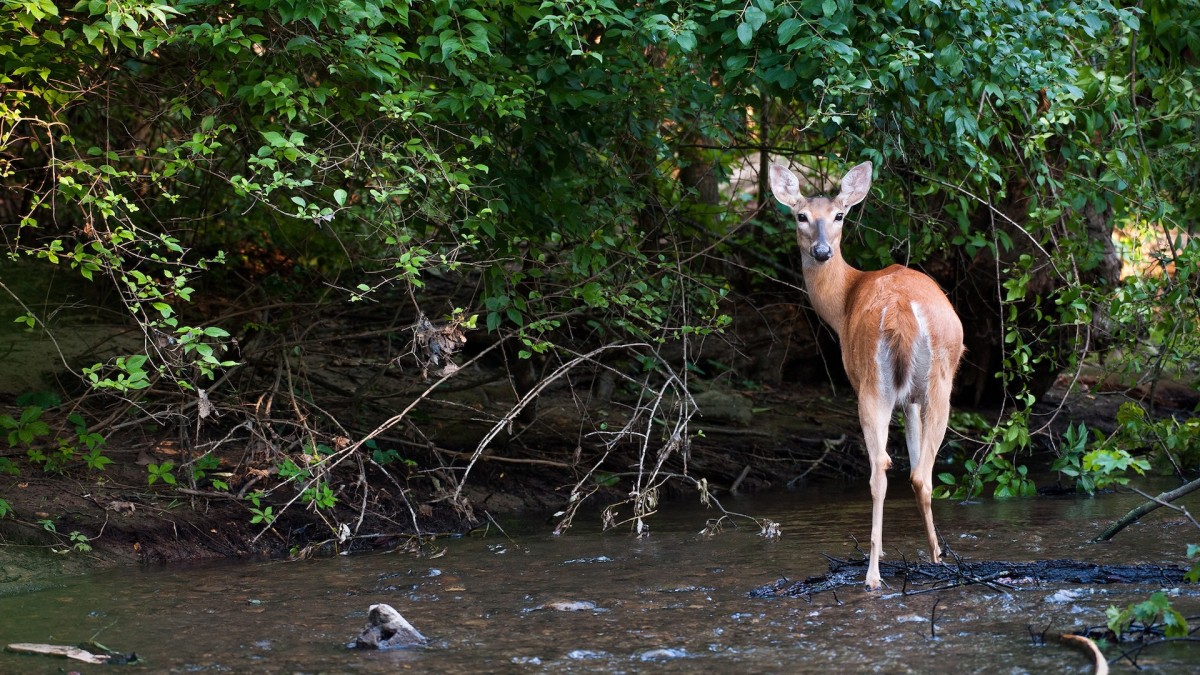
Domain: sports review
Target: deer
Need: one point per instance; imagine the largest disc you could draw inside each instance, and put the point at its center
(901, 342)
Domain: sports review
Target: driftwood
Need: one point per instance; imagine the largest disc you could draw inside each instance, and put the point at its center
(387, 629)
(63, 651)
(1088, 647)
(915, 578)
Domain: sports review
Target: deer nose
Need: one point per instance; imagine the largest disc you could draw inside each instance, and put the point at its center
(821, 250)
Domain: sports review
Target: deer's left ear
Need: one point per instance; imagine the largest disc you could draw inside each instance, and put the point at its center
(856, 185)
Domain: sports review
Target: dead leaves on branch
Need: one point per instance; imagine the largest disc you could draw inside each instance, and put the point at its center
(433, 345)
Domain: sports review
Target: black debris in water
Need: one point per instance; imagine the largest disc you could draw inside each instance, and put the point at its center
(922, 577)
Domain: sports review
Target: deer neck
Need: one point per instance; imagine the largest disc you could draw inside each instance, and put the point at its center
(828, 284)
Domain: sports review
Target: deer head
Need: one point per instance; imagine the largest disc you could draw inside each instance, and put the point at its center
(819, 219)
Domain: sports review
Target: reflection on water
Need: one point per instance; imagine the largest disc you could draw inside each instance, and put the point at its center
(671, 602)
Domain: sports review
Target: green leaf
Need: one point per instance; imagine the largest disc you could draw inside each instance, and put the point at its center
(1130, 412)
(686, 40)
(745, 33)
(274, 139)
(1175, 625)
(788, 30)
(755, 17)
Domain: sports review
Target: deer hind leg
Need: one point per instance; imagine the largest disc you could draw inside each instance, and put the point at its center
(923, 445)
(917, 430)
(874, 416)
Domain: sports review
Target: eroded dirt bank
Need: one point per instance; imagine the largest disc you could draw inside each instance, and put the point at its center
(743, 441)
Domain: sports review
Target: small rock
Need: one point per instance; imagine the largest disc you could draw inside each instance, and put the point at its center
(387, 629)
(662, 654)
(566, 606)
(725, 407)
(1063, 596)
(586, 654)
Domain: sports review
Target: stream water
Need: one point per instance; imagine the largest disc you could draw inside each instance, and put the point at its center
(674, 601)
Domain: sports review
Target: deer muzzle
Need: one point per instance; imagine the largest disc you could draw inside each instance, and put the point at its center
(821, 250)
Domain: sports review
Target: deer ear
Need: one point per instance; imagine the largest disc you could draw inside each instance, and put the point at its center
(786, 187)
(855, 185)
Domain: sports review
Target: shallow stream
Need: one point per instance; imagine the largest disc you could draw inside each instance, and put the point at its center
(675, 601)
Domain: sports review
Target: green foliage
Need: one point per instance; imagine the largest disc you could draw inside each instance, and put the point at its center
(1004, 442)
(1109, 460)
(163, 472)
(259, 513)
(537, 155)
(95, 460)
(80, 542)
(203, 465)
(5, 508)
(289, 471)
(319, 495)
(385, 456)
(30, 428)
(26, 429)
(1149, 614)
(1070, 459)
(606, 479)
(1174, 442)
(1110, 465)
(51, 461)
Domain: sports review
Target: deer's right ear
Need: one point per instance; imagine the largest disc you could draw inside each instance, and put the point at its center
(786, 187)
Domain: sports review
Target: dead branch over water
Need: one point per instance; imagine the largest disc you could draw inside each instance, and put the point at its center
(1149, 505)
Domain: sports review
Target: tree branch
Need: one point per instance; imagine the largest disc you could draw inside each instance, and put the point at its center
(1142, 509)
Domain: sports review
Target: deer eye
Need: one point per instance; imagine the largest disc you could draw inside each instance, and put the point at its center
(838, 217)
(801, 217)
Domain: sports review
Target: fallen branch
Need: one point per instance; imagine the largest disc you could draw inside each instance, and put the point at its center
(64, 651)
(1146, 507)
(1087, 645)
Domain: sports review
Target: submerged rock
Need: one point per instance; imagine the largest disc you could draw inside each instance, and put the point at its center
(662, 654)
(566, 606)
(387, 629)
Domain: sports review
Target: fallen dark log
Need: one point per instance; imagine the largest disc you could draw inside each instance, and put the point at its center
(922, 577)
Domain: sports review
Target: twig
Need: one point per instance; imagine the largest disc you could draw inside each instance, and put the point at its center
(738, 483)
(350, 449)
(525, 400)
(1173, 507)
(933, 618)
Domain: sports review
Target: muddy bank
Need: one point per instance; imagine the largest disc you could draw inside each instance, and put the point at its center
(750, 442)
(743, 441)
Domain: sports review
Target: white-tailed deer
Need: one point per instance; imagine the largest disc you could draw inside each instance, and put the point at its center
(901, 342)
